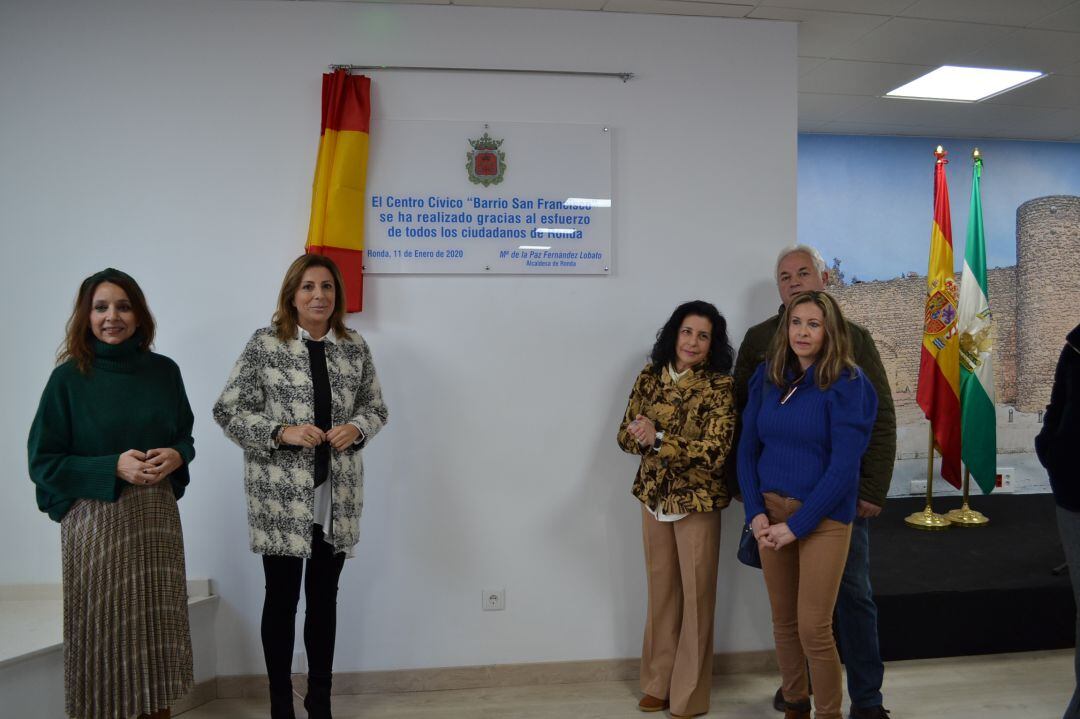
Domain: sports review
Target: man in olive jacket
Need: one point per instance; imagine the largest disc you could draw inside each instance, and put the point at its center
(800, 268)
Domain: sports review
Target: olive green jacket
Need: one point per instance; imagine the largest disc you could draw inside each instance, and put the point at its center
(697, 417)
(877, 463)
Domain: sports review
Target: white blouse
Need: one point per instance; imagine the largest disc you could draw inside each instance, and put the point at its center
(324, 510)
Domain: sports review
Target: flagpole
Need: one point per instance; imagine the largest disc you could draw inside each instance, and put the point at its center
(928, 518)
(966, 516)
(977, 417)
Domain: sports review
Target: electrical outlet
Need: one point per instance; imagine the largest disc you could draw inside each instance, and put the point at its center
(494, 600)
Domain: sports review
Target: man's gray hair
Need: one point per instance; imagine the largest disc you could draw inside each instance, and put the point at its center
(815, 257)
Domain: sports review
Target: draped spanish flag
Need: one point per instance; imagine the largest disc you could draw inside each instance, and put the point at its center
(337, 197)
(939, 366)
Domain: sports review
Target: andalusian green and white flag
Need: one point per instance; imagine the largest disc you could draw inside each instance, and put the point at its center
(978, 426)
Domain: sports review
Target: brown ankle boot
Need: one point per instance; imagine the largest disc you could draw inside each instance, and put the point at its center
(797, 710)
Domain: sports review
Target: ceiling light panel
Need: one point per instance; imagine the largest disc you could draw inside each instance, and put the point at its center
(964, 84)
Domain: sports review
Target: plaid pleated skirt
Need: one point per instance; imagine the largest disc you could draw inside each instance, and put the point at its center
(127, 643)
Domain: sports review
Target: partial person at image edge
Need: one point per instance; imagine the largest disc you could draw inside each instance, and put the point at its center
(1058, 447)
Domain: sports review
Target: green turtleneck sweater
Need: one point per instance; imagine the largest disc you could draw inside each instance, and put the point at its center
(130, 399)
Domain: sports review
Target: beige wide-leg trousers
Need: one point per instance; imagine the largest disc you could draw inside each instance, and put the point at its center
(680, 561)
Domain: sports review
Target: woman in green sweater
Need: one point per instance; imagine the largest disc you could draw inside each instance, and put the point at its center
(109, 451)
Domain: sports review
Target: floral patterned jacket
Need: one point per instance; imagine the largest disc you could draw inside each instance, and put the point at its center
(697, 416)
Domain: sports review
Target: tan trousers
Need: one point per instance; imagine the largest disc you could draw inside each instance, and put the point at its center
(680, 561)
(803, 579)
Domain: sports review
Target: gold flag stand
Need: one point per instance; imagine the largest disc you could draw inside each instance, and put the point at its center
(928, 518)
(966, 516)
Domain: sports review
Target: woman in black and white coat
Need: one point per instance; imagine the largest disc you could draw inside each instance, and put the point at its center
(302, 401)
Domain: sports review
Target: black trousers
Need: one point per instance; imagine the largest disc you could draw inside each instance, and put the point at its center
(283, 575)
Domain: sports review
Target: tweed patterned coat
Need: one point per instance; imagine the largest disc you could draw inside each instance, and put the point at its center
(270, 385)
(697, 416)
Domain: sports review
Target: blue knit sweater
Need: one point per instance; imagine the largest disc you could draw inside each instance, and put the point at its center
(807, 449)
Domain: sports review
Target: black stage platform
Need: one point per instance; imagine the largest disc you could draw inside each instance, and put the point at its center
(971, 591)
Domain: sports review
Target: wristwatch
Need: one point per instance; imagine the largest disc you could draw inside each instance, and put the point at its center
(657, 441)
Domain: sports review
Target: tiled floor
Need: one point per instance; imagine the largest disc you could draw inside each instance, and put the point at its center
(1010, 686)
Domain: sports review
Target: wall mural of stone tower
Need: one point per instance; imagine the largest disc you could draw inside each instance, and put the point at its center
(1048, 291)
(1035, 304)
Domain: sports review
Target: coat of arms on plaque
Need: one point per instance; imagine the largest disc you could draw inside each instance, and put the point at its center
(486, 163)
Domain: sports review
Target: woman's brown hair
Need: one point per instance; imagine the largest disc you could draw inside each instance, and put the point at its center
(285, 317)
(78, 344)
(836, 352)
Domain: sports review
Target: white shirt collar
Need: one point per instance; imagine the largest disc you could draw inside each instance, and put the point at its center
(676, 376)
(303, 334)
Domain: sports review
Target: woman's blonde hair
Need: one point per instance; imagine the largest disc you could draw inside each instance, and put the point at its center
(836, 352)
(285, 318)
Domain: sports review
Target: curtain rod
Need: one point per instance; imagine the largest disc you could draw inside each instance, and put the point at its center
(624, 76)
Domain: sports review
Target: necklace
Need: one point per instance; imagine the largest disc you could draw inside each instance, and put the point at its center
(792, 388)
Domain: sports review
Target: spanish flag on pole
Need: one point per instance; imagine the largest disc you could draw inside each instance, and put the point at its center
(939, 366)
(337, 197)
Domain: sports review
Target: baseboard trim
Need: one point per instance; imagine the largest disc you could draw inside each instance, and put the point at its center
(489, 675)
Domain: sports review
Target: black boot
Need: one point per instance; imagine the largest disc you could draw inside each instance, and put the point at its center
(317, 701)
(278, 619)
(320, 622)
(281, 703)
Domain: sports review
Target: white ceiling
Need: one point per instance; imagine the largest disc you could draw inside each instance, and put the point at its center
(851, 52)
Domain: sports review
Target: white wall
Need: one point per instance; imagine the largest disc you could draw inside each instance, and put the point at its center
(176, 140)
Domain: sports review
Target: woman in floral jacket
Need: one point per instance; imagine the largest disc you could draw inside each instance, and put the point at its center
(680, 419)
(302, 401)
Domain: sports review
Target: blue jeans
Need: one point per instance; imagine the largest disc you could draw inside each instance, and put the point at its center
(1069, 528)
(856, 622)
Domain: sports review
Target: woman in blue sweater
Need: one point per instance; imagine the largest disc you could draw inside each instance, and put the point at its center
(805, 428)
